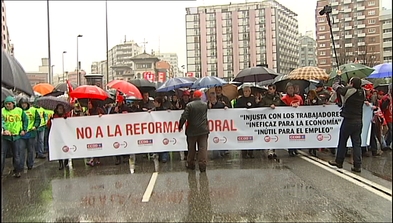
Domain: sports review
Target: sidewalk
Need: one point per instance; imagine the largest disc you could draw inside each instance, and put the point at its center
(8, 165)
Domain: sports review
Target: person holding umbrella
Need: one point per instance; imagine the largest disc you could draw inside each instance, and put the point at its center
(246, 101)
(15, 124)
(29, 139)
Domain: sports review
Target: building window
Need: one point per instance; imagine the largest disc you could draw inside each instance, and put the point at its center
(371, 12)
(322, 28)
(322, 53)
(371, 21)
(322, 37)
(371, 3)
(322, 61)
(321, 19)
(372, 30)
(322, 45)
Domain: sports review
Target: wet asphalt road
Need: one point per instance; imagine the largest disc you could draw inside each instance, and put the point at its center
(232, 190)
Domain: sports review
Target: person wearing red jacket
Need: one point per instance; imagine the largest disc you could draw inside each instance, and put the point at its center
(59, 112)
(386, 108)
(294, 100)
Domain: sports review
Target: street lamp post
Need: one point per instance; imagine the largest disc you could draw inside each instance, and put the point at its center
(64, 52)
(107, 44)
(77, 60)
(51, 74)
(50, 78)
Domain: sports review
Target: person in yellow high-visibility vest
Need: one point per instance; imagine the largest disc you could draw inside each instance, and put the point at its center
(40, 153)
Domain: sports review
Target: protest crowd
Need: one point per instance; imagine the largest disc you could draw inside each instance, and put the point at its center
(27, 121)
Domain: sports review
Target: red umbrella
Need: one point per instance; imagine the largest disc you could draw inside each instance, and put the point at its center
(89, 91)
(126, 88)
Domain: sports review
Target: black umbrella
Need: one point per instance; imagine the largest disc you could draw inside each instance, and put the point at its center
(143, 85)
(281, 82)
(255, 74)
(63, 87)
(55, 93)
(13, 75)
(5, 93)
(382, 87)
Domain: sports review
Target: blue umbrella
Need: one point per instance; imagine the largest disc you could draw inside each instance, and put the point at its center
(208, 82)
(382, 71)
(175, 83)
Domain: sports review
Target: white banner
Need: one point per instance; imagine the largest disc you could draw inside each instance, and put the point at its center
(231, 129)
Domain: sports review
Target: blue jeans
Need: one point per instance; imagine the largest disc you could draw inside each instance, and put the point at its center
(351, 129)
(29, 145)
(16, 147)
(40, 143)
(389, 135)
(164, 156)
(46, 140)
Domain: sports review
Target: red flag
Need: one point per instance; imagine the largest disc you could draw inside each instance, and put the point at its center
(70, 89)
(119, 98)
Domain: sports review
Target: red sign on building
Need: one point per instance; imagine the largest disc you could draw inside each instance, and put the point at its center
(189, 74)
(161, 77)
(149, 76)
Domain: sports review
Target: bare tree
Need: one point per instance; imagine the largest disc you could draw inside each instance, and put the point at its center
(367, 56)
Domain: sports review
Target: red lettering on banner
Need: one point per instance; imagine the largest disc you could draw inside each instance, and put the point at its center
(118, 131)
(99, 132)
(129, 129)
(137, 129)
(158, 127)
(222, 126)
(84, 132)
(108, 128)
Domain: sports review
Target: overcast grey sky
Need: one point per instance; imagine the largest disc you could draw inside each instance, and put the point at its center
(154, 21)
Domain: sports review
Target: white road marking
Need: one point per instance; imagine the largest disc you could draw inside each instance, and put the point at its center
(360, 181)
(150, 187)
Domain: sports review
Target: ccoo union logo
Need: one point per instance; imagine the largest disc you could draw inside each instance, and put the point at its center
(144, 142)
(94, 146)
(297, 137)
(245, 138)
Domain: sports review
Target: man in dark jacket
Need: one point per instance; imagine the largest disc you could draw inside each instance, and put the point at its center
(246, 101)
(197, 131)
(271, 99)
(353, 98)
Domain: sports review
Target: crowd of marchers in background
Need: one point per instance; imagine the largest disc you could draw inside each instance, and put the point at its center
(25, 126)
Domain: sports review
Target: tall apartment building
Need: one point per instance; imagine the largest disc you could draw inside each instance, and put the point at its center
(386, 24)
(307, 52)
(5, 39)
(172, 59)
(120, 57)
(99, 68)
(356, 32)
(224, 39)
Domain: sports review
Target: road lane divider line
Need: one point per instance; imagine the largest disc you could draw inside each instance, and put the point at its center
(357, 181)
(150, 187)
(355, 176)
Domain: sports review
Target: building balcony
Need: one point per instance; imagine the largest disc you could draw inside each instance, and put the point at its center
(334, 4)
(387, 44)
(347, 1)
(334, 12)
(348, 45)
(360, 8)
(336, 37)
(347, 10)
(348, 28)
(387, 53)
(387, 35)
(361, 34)
(335, 29)
(361, 26)
(361, 43)
(387, 26)
(359, 17)
(360, 0)
(348, 19)
(348, 36)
